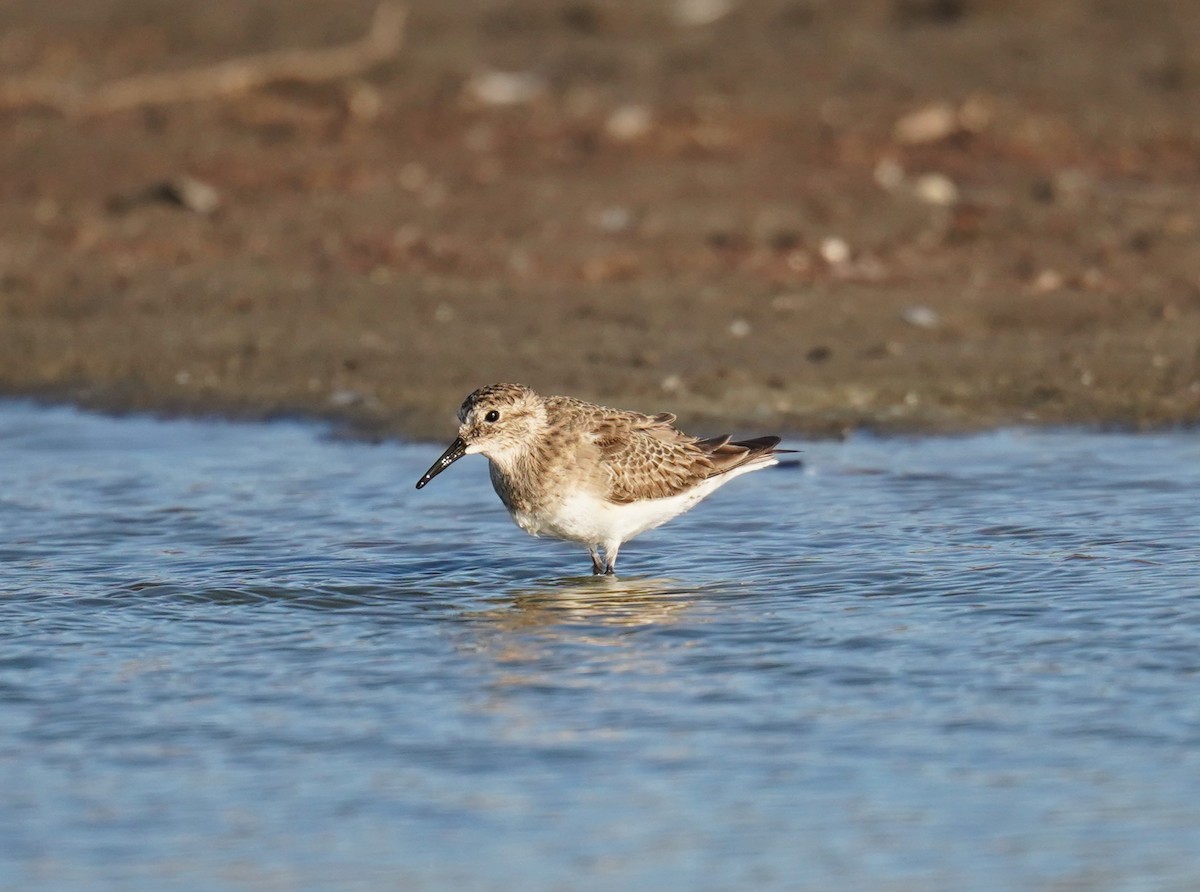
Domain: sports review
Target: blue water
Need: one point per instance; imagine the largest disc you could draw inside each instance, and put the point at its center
(254, 657)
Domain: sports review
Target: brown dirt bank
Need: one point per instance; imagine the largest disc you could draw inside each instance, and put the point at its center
(903, 214)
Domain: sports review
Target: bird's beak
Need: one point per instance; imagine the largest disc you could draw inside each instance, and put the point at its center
(456, 451)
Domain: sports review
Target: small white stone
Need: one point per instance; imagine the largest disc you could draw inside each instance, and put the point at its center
(739, 328)
(505, 87)
(921, 317)
(889, 174)
(696, 13)
(628, 122)
(615, 219)
(363, 101)
(1048, 280)
(928, 124)
(935, 188)
(195, 195)
(834, 250)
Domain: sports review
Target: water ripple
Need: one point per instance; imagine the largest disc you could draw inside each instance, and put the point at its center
(253, 657)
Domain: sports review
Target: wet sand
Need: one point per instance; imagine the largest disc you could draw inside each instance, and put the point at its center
(905, 215)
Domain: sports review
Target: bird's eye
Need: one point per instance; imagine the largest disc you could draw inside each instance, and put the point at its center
(492, 416)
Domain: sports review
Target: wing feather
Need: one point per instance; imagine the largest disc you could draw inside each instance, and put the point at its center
(646, 462)
(646, 457)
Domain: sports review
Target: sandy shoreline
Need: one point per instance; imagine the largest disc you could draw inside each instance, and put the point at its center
(788, 218)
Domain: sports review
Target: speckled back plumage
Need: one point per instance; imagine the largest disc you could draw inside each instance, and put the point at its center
(644, 456)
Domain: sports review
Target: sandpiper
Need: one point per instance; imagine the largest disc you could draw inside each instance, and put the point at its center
(585, 473)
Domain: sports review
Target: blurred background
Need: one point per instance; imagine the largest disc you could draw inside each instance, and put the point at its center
(250, 656)
(900, 214)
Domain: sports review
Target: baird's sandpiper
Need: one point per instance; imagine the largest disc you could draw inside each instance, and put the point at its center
(585, 473)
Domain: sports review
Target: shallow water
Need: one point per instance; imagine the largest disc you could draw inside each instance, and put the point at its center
(254, 657)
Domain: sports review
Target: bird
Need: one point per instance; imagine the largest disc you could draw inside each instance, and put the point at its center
(588, 474)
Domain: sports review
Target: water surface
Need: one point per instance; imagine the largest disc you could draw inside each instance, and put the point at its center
(254, 657)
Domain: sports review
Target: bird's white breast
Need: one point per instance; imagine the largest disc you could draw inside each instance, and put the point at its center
(581, 516)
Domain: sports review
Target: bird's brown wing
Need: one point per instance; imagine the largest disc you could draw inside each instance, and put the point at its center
(643, 457)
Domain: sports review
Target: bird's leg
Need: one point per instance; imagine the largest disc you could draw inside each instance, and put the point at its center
(597, 566)
(610, 556)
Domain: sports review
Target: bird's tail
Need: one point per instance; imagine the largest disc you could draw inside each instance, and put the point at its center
(742, 455)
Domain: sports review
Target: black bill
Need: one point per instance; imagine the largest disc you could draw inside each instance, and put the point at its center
(456, 451)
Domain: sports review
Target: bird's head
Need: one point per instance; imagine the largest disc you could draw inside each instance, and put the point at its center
(498, 421)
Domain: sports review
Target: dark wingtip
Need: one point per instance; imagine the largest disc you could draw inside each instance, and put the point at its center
(763, 444)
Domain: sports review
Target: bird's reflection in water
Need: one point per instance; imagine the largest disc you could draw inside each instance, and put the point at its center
(581, 602)
(574, 635)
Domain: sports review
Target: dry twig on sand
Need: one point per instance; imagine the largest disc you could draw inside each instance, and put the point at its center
(380, 43)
